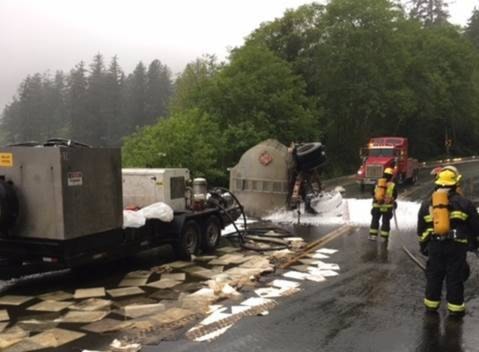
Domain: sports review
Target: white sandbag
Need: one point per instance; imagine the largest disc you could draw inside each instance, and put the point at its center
(133, 219)
(160, 211)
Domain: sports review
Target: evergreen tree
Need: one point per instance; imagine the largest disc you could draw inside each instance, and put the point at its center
(96, 103)
(430, 12)
(158, 91)
(472, 29)
(30, 122)
(10, 121)
(76, 103)
(136, 95)
(114, 103)
(55, 107)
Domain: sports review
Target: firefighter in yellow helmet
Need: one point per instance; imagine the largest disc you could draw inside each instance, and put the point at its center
(384, 202)
(447, 227)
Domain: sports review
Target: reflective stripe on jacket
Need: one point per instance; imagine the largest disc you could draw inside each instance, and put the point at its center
(462, 214)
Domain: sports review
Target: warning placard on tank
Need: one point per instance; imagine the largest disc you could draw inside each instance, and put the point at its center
(6, 159)
(75, 178)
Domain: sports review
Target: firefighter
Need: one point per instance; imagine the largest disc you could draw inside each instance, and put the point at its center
(447, 227)
(384, 203)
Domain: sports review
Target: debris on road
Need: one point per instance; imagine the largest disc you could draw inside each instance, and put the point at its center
(56, 296)
(11, 336)
(89, 293)
(122, 346)
(140, 310)
(327, 251)
(164, 283)
(174, 276)
(178, 294)
(91, 304)
(125, 291)
(14, 300)
(52, 338)
(295, 275)
(177, 265)
(82, 317)
(4, 315)
(107, 325)
(50, 306)
(36, 324)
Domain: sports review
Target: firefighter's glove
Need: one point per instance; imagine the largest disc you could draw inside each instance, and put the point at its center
(424, 248)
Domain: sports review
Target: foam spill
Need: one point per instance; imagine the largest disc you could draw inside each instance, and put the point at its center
(356, 212)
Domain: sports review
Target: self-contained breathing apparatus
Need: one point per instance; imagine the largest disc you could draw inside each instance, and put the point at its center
(440, 212)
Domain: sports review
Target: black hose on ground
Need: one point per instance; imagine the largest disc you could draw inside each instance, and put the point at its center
(247, 236)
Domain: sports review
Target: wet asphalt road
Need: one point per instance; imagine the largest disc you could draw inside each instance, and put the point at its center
(375, 304)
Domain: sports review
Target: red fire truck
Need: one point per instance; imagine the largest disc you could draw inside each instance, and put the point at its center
(383, 152)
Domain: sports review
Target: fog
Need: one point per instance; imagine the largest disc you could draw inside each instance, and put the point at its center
(50, 35)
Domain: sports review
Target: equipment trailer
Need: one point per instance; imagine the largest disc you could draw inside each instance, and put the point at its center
(61, 206)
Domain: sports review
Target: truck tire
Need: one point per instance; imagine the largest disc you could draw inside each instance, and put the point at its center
(310, 156)
(211, 234)
(188, 242)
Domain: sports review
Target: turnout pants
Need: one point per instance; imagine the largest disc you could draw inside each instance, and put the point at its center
(447, 260)
(386, 214)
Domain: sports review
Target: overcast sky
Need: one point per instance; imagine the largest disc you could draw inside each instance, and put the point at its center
(41, 35)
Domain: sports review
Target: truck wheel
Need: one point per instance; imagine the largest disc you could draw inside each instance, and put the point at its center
(211, 235)
(310, 156)
(188, 241)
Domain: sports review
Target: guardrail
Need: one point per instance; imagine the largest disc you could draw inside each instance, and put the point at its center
(449, 161)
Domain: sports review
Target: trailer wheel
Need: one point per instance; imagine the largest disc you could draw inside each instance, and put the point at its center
(211, 235)
(189, 240)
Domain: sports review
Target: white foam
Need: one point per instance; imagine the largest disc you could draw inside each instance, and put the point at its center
(359, 214)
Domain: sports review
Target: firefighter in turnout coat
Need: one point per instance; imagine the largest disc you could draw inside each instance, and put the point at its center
(448, 225)
(384, 203)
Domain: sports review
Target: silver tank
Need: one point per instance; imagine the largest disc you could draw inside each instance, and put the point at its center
(260, 179)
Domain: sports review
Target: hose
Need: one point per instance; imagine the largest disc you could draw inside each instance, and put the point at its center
(247, 236)
(411, 256)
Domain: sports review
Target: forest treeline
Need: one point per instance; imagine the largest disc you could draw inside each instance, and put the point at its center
(98, 104)
(340, 72)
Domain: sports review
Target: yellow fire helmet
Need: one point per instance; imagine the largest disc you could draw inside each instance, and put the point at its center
(446, 178)
(452, 168)
(389, 171)
(455, 170)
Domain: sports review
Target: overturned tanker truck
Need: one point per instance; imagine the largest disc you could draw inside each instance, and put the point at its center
(271, 176)
(62, 205)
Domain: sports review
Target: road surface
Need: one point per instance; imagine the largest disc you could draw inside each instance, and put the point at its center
(375, 304)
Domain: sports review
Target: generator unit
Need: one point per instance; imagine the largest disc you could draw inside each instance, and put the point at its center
(59, 192)
(142, 187)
